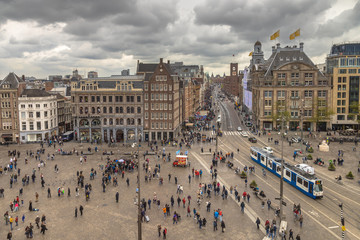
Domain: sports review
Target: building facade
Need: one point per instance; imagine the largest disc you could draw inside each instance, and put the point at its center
(10, 87)
(289, 86)
(108, 109)
(162, 103)
(38, 115)
(343, 65)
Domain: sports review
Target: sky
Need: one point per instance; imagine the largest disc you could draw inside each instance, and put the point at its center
(53, 37)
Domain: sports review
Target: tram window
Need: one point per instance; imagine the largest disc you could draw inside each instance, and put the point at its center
(262, 158)
(306, 184)
(299, 180)
(287, 173)
(278, 169)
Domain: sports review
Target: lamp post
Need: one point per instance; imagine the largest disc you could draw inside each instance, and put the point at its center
(342, 221)
(138, 182)
(301, 125)
(282, 169)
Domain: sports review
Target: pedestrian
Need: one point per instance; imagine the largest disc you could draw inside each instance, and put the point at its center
(164, 233)
(222, 226)
(269, 204)
(81, 208)
(76, 212)
(159, 230)
(149, 203)
(298, 237)
(43, 228)
(242, 206)
(248, 197)
(16, 221)
(291, 234)
(69, 192)
(257, 222)
(188, 212)
(189, 178)
(176, 180)
(49, 193)
(215, 225)
(11, 220)
(117, 198)
(37, 197)
(127, 181)
(301, 220)
(9, 236)
(23, 218)
(169, 177)
(263, 204)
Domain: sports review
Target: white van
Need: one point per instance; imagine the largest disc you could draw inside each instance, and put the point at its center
(239, 129)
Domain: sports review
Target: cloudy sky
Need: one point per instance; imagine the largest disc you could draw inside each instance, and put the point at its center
(44, 37)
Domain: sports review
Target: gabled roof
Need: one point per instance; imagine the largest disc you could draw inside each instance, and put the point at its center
(284, 56)
(11, 79)
(147, 67)
(35, 93)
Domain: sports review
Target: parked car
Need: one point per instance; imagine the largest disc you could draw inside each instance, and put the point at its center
(252, 139)
(268, 149)
(239, 129)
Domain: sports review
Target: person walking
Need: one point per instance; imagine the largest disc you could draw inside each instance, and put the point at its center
(222, 226)
(117, 198)
(9, 236)
(301, 220)
(76, 212)
(127, 181)
(298, 237)
(81, 208)
(11, 220)
(257, 223)
(23, 218)
(189, 178)
(291, 234)
(242, 206)
(159, 230)
(43, 228)
(215, 225)
(49, 193)
(164, 233)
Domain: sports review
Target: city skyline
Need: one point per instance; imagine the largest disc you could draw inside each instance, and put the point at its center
(41, 38)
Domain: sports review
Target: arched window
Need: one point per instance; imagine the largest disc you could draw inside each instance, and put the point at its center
(117, 121)
(121, 121)
(128, 121)
(104, 109)
(139, 110)
(139, 121)
(105, 121)
(95, 122)
(132, 110)
(81, 110)
(110, 110)
(98, 110)
(117, 110)
(132, 121)
(110, 121)
(128, 110)
(92, 110)
(86, 110)
(84, 123)
(121, 110)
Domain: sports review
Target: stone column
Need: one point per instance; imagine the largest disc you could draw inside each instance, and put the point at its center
(102, 135)
(108, 135)
(136, 135)
(90, 134)
(125, 135)
(114, 134)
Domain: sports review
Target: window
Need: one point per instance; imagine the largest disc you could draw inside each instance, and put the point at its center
(287, 173)
(165, 96)
(104, 98)
(23, 115)
(281, 94)
(139, 110)
(23, 126)
(92, 98)
(281, 75)
(308, 75)
(146, 96)
(146, 87)
(322, 93)
(268, 94)
(308, 93)
(146, 106)
(152, 87)
(342, 71)
(339, 79)
(294, 93)
(306, 184)
(22, 105)
(294, 82)
(38, 125)
(146, 115)
(308, 82)
(294, 75)
(110, 98)
(307, 113)
(46, 125)
(340, 117)
(339, 102)
(46, 113)
(299, 180)
(170, 87)
(97, 98)
(31, 114)
(352, 71)
(165, 87)
(31, 125)
(170, 97)
(104, 110)
(37, 114)
(138, 98)
(37, 105)
(338, 110)
(344, 95)
(321, 103)
(170, 106)
(267, 103)
(165, 106)
(110, 110)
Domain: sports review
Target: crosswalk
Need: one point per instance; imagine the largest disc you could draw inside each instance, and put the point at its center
(228, 133)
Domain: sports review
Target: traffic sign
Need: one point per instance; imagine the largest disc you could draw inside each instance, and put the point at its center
(343, 228)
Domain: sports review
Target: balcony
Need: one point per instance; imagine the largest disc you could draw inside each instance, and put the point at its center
(294, 107)
(294, 117)
(294, 97)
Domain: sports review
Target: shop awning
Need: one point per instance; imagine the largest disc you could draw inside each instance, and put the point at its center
(6, 135)
(189, 124)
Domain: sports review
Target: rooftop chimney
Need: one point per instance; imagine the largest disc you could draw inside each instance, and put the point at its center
(168, 61)
(161, 60)
(301, 46)
(278, 45)
(273, 49)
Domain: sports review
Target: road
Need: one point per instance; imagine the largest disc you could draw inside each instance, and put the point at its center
(321, 217)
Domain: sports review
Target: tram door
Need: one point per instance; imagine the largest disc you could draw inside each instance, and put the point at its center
(293, 177)
(311, 188)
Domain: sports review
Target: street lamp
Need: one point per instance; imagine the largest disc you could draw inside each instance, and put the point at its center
(282, 169)
(139, 205)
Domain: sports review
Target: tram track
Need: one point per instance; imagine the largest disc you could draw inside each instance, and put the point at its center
(293, 191)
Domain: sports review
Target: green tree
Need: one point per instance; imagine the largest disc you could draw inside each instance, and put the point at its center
(279, 112)
(354, 110)
(321, 111)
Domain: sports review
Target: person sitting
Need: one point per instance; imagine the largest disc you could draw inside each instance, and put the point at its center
(262, 194)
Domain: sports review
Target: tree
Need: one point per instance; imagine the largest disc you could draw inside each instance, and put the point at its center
(280, 112)
(321, 111)
(354, 110)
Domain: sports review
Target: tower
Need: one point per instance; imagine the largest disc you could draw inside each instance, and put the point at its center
(233, 69)
(258, 54)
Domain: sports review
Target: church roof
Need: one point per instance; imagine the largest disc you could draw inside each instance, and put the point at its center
(12, 80)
